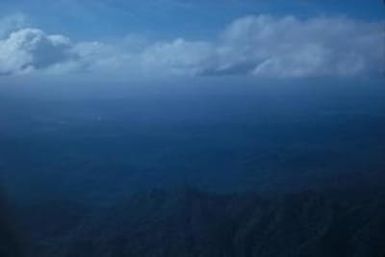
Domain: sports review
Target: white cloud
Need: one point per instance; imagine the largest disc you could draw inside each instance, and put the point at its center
(261, 46)
(178, 57)
(31, 49)
(289, 47)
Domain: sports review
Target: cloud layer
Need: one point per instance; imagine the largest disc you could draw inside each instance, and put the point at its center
(259, 46)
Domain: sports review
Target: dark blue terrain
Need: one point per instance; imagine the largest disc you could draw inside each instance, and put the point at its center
(205, 169)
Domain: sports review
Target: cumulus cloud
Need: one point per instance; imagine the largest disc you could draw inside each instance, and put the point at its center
(289, 47)
(31, 49)
(260, 46)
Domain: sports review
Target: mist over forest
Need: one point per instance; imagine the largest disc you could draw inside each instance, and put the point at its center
(186, 169)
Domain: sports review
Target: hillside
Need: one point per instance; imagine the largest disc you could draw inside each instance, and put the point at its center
(188, 222)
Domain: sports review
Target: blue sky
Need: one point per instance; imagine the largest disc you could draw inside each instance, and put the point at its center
(88, 19)
(261, 38)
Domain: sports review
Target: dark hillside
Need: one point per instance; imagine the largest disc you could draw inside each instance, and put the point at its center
(188, 223)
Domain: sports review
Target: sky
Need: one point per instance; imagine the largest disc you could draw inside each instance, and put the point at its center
(163, 38)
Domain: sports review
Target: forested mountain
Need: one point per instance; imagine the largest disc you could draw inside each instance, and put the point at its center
(9, 244)
(295, 172)
(189, 222)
